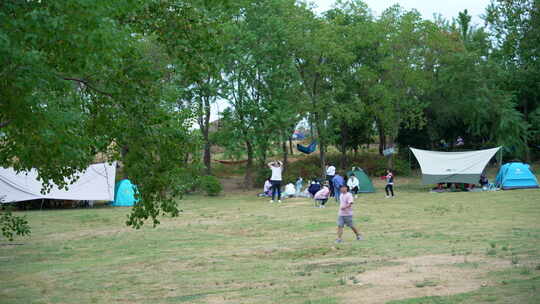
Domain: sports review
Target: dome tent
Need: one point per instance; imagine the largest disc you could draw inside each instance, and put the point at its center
(516, 175)
(124, 194)
(365, 185)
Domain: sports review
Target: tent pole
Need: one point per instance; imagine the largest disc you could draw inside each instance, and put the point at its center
(42, 201)
(410, 165)
(500, 157)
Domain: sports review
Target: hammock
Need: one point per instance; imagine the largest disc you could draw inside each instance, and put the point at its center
(231, 162)
(309, 149)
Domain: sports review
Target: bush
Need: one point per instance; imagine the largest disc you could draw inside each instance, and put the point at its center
(210, 185)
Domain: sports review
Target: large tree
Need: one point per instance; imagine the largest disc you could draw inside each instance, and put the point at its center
(77, 80)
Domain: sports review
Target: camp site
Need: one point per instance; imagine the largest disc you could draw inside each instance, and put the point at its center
(276, 151)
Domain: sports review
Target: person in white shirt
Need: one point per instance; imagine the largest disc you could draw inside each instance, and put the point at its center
(353, 184)
(290, 191)
(330, 172)
(275, 179)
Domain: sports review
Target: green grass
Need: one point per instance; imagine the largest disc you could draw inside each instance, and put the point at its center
(241, 249)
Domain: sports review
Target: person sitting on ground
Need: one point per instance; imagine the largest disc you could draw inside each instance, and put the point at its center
(321, 197)
(338, 181)
(314, 187)
(353, 184)
(460, 141)
(290, 191)
(267, 188)
(484, 182)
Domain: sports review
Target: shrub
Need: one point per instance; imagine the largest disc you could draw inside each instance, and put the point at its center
(210, 185)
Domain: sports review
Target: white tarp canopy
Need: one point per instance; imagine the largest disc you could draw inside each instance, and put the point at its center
(95, 183)
(452, 167)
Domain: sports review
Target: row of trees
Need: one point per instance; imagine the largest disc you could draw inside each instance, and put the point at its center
(354, 75)
(130, 79)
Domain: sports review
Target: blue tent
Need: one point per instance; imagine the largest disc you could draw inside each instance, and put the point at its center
(124, 194)
(516, 176)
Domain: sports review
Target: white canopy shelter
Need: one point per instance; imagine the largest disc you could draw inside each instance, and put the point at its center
(453, 167)
(95, 183)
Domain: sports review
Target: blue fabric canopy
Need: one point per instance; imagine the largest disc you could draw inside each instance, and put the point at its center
(309, 149)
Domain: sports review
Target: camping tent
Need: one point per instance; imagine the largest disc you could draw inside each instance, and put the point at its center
(452, 167)
(124, 194)
(516, 176)
(365, 183)
(94, 183)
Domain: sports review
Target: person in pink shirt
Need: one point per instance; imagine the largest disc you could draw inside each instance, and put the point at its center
(321, 197)
(345, 214)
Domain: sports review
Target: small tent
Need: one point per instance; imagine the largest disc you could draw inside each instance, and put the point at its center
(516, 175)
(365, 185)
(124, 194)
(453, 167)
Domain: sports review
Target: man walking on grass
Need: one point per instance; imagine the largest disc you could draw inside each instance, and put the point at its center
(345, 214)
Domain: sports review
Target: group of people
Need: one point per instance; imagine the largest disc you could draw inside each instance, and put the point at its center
(321, 191)
(443, 187)
(334, 186)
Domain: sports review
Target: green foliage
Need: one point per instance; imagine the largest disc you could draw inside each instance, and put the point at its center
(211, 185)
(12, 225)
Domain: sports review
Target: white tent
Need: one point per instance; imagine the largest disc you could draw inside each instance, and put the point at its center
(452, 167)
(95, 183)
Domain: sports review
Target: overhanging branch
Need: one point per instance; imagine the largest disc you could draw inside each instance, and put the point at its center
(88, 85)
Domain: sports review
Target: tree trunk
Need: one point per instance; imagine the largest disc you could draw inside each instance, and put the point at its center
(322, 155)
(285, 155)
(390, 157)
(290, 145)
(205, 130)
(343, 148)
(124, 152)
(248, 178)
(382, 140)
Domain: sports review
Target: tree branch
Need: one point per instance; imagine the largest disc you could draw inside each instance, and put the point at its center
(88, 85)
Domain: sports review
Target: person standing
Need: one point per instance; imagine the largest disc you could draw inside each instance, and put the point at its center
(330, 172)
(345, 214)
(275, 179)
(353, 184)
(389, 184)
(338, 181)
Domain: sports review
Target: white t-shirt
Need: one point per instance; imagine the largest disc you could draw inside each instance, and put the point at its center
(276, 173)
(352, 182)
(289, 189)
(331, 170)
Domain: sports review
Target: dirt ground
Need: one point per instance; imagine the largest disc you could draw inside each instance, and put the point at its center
(421, 276)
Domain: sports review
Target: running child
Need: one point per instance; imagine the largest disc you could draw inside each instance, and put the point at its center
(345, 214)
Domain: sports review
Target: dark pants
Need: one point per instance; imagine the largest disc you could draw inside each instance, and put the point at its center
(331, 184)
(276, 188)
(389, 188)
(354, 190)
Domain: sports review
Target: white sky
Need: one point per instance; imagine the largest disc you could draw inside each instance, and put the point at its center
(447, 8)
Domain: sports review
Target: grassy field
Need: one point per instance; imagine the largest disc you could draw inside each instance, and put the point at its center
(420, 248)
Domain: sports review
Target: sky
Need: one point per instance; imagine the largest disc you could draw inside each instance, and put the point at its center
(447, 8)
